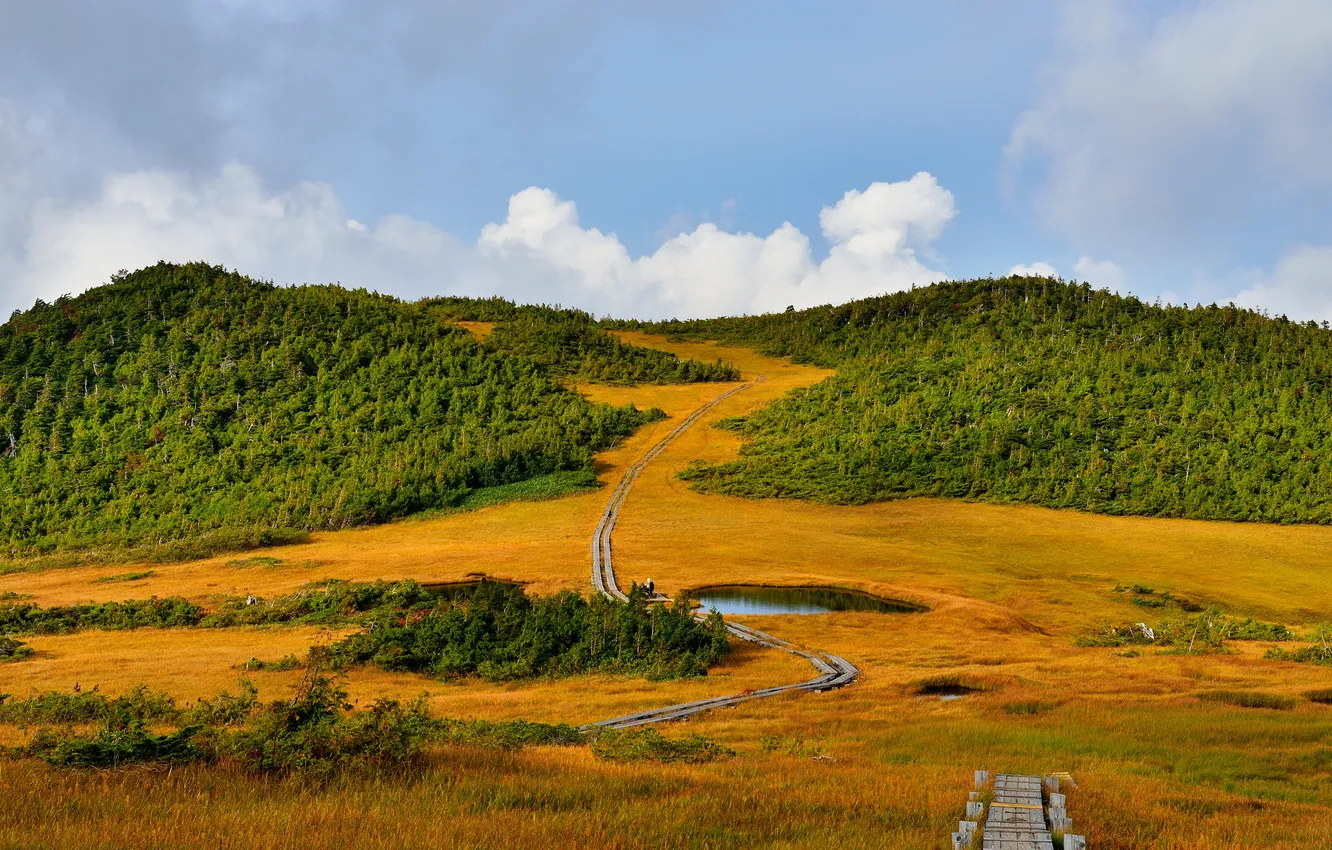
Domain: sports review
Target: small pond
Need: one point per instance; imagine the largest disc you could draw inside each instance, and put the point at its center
(742, 599)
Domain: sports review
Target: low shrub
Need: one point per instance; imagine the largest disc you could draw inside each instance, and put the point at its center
(1206, 632)
(508, 734)
(286, 662)
(26, 618)
(1250, 699)
(113, 747)
(626, 745)
(140, 704)
(14, 650)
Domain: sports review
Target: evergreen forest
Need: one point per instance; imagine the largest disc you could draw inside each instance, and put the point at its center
(188, 402)
(1040, 391)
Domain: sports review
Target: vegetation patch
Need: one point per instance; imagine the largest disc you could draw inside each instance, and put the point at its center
(26, 618)
(1149, 598)
(1319, 650)
(501, 633)
(283, 664)
(139, 576)
(1322, 696)
(14, 650)
(1250, 699)
(629, 745)
(1204, 633)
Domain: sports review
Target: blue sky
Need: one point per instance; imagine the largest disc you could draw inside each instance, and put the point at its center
(1171, 150)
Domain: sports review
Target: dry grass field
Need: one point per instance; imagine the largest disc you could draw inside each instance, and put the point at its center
(1010, 587)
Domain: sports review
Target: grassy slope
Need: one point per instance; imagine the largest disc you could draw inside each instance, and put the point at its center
(1148, 754)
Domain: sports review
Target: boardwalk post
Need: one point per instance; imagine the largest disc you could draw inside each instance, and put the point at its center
(975, 809)
(982, 779)
(967, 829)
(1075, 842)
(1057, 801)
(1052, 784)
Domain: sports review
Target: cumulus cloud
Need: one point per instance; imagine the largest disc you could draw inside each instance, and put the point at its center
(1034, 270)
(1101, 274)
(540, 252)
(1158, 135)
(1300, 285)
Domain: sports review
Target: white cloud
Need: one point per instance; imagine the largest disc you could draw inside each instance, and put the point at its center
(1102, 274)
(1034, 270)
(540, 252)
(1300, 285)
(1154, 133)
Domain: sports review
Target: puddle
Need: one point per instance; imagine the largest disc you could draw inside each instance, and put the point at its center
(750, 599)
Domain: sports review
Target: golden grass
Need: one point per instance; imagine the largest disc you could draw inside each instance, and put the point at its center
(1009, 588)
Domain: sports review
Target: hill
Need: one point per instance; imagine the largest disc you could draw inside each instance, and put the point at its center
(186, 402)
(1044, 392)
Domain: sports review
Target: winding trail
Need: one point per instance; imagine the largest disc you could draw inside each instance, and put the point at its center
(833, 672)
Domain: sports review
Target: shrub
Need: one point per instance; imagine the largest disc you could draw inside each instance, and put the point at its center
(1250, 699)
(140, 704)
(501, 633)
(25, 618)
(286, 662)
(14, 650)
(626, 745)
(113, 747)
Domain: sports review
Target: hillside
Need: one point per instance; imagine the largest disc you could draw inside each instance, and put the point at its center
(1038, 391)
(186, 402)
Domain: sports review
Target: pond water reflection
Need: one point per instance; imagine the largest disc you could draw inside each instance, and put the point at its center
(750, 599)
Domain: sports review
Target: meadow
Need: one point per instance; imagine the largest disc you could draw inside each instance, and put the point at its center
(1010, 590)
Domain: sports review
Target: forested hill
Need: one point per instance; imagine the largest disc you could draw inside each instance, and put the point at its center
(186, 401)
(569, 343)
(1039, 391)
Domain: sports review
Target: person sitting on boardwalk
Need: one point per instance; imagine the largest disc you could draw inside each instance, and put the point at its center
(651, 588)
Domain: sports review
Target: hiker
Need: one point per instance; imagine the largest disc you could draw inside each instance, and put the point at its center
(651, 588)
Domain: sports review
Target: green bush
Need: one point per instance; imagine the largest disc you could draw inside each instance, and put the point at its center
(1322, 696)
(113, 747)
(501, 633)
(140, 704)
(26, 618)
(14, 650)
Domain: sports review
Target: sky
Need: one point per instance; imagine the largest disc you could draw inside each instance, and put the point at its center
(660, 158)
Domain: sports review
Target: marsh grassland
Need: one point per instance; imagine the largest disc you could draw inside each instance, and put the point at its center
(1161, 761)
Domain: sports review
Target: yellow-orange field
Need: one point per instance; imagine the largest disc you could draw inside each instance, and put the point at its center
(1009, 589)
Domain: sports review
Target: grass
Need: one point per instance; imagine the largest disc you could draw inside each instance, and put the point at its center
(1009, 589)
(1250, 699)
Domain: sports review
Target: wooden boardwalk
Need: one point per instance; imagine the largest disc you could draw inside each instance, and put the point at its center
(833, 672)
(1016, 818)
